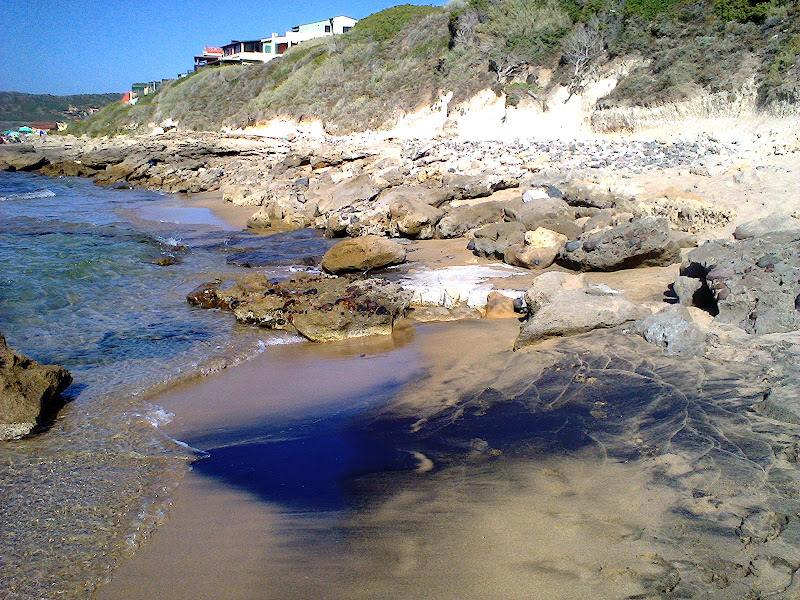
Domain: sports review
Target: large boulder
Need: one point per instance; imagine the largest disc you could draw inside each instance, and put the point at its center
(687, 211)
(363, 254)
(559, 305)
(345, 193)
(537, 212)
(30, 393)
(538, 250)
(459, 220)
(493, 240)
(463, 186)
(413, 218)
(674, 330)
(753, 283)
(645, 242)
(318, 307)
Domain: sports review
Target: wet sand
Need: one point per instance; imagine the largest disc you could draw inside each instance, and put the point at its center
(440, 464)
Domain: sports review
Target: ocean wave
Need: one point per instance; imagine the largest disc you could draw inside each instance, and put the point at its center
(29, 195)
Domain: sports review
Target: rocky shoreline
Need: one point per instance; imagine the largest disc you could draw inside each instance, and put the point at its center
(656, 285)
(583, 206)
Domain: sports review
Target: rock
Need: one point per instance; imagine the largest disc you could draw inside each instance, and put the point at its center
(674, 330)
(499, 306)
(413, 218)
(318, 307)
(547, 285)
(20, 157)
(753, 283)
(557, 309)
(415, 193)
(782, 403)
(363, 254)
(30, 393)
(493, 240)
(710, 166)
(687, 211)
(542, 192)
(538, 251)
(475, 186)
(685, 289)
(345, 193)
(584, 193)
(643, 242)
(774, 223)
(534, 213)
(458, 221)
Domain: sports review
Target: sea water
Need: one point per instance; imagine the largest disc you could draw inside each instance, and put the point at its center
(81, 286)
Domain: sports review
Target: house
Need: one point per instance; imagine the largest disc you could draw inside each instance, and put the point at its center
(143, 89)
(210, 57)
(265, 49)
(332, 26)
(244, 52)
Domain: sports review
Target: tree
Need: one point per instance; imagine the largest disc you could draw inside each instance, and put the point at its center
(580, 47)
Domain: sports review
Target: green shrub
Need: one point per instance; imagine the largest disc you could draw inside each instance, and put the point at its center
(384, 25)
(745, 10)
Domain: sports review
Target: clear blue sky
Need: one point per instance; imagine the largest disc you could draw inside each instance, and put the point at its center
(81, 46)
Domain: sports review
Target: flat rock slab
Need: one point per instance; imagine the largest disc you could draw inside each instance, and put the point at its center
(318, 307)
(299, 247)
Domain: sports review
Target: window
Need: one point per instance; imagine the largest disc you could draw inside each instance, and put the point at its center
(346, 29)
(327, 28)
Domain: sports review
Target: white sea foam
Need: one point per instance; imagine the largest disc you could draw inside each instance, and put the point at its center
(29, 195)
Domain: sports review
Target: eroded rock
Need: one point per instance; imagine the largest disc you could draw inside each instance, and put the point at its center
(318, 307)
(30, 393)
(754, 283)
(640, 243)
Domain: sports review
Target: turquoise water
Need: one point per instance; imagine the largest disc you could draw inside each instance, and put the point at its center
(80, 286)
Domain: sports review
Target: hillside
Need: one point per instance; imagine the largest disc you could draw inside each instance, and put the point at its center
(657, 52)
(19, 108)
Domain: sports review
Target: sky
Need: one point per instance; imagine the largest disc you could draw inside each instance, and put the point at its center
(64, 47)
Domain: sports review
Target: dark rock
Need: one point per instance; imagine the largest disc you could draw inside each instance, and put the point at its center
(644, 242)
(318, 307)
(30, 393)
(759, 298)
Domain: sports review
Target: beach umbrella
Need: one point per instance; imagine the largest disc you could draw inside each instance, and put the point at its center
(25, 129)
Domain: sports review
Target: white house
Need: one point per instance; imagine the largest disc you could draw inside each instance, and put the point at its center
(264, 50)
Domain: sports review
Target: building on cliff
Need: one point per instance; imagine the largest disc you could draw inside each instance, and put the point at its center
(265, 49)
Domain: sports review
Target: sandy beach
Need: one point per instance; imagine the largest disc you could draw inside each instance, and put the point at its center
(439, 462)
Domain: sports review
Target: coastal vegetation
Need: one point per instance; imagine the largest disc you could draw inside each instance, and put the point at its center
(17, 108)
(406, 57)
